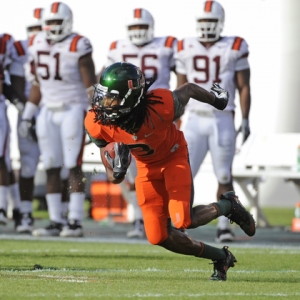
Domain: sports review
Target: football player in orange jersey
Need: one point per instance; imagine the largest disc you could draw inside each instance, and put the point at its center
(142, 121)
(205, 59)
(155, 57)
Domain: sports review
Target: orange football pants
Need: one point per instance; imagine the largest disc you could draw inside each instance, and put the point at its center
(165, 190)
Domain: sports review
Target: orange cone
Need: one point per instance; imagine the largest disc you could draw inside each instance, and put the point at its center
(296, 220)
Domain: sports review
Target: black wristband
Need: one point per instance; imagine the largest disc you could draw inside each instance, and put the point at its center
(219, 104)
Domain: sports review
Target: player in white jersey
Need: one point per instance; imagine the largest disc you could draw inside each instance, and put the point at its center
(155, 57)
(21, 79)
(206, 59)
(64, 72)
(8, 184)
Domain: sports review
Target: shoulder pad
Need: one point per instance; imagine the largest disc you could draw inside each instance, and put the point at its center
(180, 46)
(19, 48)
(113, 45)
(237, 43)
(169, 41)
(73, 46)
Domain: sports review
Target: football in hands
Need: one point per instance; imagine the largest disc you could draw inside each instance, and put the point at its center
(110, 148)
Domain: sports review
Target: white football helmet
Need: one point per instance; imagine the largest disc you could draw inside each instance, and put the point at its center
(210, 21)
(34, 24)
(58, 11)
(139, 37)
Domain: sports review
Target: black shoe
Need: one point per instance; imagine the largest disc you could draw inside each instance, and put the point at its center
(53, 229)
(224, 235)
(24, 223)
(239, 214)
(221, 266)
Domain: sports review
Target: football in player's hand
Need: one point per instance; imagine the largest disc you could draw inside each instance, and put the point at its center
(110, 148)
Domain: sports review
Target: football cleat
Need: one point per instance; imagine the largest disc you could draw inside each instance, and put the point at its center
(239, 214)
(72, 229)
(138, 230)
(224, 235)
(53, 229)
(221, 266)
(3, 217)
(24, 223)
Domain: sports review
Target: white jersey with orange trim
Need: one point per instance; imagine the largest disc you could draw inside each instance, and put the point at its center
(57, 69)
(205, 66)
(6, 44)
(21, 65)
(156, 59)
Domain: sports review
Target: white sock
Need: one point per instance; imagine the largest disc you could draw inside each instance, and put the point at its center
(54, 207)
(26, 207)
(137, 210)
(223, 223)
(15, 195)
(3, 196)
(76, 206)
(64, 211)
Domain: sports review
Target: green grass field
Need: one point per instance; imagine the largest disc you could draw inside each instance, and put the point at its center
(31, 269)
(68, 270)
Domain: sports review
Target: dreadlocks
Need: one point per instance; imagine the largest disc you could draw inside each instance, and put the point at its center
(140, 114)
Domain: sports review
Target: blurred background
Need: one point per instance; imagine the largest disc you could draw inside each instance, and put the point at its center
(270, 27)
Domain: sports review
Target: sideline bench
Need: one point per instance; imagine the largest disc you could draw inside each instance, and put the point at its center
(261, 157)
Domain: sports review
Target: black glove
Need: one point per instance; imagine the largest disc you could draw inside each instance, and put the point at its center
(244, 129)
(221, 96)
(10, 95)
(121, 161)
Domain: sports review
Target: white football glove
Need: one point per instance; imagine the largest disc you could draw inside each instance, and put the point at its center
(244, 129)
(26, 130)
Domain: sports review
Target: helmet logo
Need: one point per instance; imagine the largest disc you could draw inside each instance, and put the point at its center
(130, 84)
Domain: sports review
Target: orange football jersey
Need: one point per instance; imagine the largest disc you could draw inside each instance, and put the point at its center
(150, 143)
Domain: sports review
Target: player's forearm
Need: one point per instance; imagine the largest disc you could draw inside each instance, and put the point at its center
(35, 94)
(18, 84)
(87, 71)
(245, 101)
(191, 90)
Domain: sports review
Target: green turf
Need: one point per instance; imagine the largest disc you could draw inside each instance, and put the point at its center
(70, 270)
